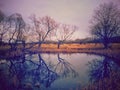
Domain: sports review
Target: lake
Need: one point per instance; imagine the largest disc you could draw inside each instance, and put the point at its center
(43, 71)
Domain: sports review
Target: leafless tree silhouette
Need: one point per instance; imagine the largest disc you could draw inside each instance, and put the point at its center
(64, 33)
(17, 28)
(106, 22)
(3, 27)
(44, 27)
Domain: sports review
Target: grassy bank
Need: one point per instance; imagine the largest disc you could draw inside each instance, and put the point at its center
(113, 51)
(91, 48)
(68, 46)
(80, 46)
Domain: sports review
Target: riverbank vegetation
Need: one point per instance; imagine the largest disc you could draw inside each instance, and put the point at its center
(91, 48)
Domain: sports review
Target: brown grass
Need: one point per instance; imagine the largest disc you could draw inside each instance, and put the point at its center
(91, 48)
(70, 46)
(79, 46)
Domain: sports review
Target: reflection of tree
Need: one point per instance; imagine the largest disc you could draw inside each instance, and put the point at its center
(64, 68)
(105, 75)
(26, 72)
(100, 69)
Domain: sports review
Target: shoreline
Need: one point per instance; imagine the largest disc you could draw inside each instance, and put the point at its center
(90, 48)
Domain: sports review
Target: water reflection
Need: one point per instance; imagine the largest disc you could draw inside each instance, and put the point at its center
(100, 69)
(104, 75)
(64, 68)
(35, 71)
(28, 73)
(25, 73)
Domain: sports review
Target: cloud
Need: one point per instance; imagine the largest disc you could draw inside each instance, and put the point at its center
(77, 12)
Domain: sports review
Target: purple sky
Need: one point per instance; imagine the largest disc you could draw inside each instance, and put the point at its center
(77, 12)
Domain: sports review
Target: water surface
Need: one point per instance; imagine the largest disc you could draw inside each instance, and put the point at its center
(53, 71)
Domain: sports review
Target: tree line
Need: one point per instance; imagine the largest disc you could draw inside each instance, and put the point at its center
(14, 30)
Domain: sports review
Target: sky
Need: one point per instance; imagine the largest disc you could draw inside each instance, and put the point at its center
(75, 12)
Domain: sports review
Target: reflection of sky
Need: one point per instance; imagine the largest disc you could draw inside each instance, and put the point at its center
(78, 12)
(78, 62)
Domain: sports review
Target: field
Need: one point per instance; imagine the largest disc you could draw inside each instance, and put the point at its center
(91, 48)
(79, 46)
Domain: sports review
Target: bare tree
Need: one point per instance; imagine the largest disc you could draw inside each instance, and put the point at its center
(3, 26)
(64, 33)
(17, 29)
(106, 22)
(2, 16)
(44, 27)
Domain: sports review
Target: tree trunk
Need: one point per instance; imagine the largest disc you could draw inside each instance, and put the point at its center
(59, 43)
(23, 45)
(106, 42)
(1, 36)
(105, 45)
(39, 45)
(0, 41)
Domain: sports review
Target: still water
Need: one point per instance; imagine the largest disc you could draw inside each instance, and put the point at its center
(53, 71)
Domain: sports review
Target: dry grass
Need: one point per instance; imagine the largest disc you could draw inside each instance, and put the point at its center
(70, 46)
(91, 48)
(78, 46)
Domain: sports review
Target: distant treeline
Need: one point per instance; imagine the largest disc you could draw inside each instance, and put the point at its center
(88, 40)
(80, 41)
(91, 40)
